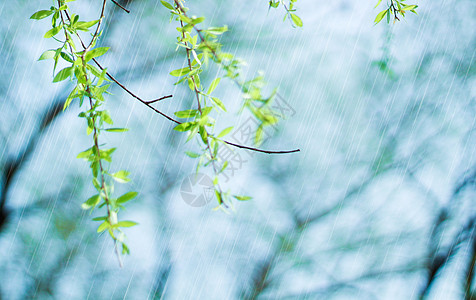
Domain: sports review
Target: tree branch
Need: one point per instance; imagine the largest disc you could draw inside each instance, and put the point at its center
(122, 7)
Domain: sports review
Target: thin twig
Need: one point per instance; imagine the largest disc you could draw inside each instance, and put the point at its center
(125, 9)
(160, 99)
(261, 150)
(96, 33)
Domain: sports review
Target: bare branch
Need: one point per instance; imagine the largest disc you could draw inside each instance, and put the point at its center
(122, 7)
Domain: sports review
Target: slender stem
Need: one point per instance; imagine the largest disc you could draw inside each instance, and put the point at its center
(96, 33)
(190, 68)
(261, 150)
(123, 8)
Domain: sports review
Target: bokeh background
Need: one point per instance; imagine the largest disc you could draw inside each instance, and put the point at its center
(379, 204)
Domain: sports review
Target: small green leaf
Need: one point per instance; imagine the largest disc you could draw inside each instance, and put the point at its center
(121, 176)
(296, 20)
(219, 103)
(184, 126)
(96, 52)
(378, 3)
(85, 153)
(213, 85)
(126, 197)
(100, 219)
(180, 72)
(53, 31)
(225, 132)
(410, 7)
(48, 54)
(125, 249)
(41, 14)
(66, 57)
(91, 202)
(192, 154)
(219, 197)
(117, 129)
(125, 224)
(63, 74)
(242, 198)
(106, 117)
(84, 26)
(105, 225)
(186, 113)
(225, 164)
(380, 16)
(167, 5)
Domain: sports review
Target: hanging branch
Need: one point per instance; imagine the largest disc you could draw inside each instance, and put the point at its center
(120, 6)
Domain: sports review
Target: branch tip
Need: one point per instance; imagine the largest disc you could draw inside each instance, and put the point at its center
(122, 7)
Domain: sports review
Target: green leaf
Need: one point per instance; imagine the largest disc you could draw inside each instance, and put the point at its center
(41, 14)
(219, 103)
(53, 31)
(192, 154)
(96, 52)
(216, 30)
(106, 117)
(66, 57)
(121, 176)
(225, 132)
(296, 20)
(184, 126)
(167, 5)
(219, 197)
(85, 153)
(273, 4)
(48, 54)
(242, 198)
(71, 96)
(103, 226)
(100, 219)
(180, 72)
(125, 249)
(378, 3)
(84, 26)
(184, 114)
(117, 129)
(410, 7)
(380, 16)
(213, 85)
(125, 224)
(225, 164)
(63, 74)
(91, 202)
(126, 197)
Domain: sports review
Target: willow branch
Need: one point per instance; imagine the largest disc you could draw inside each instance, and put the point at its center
(96, 33)
(147, 103)
(199, 32)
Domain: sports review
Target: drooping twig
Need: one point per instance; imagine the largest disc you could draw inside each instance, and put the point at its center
(160, 99)
(122, 7)
(95, 130)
